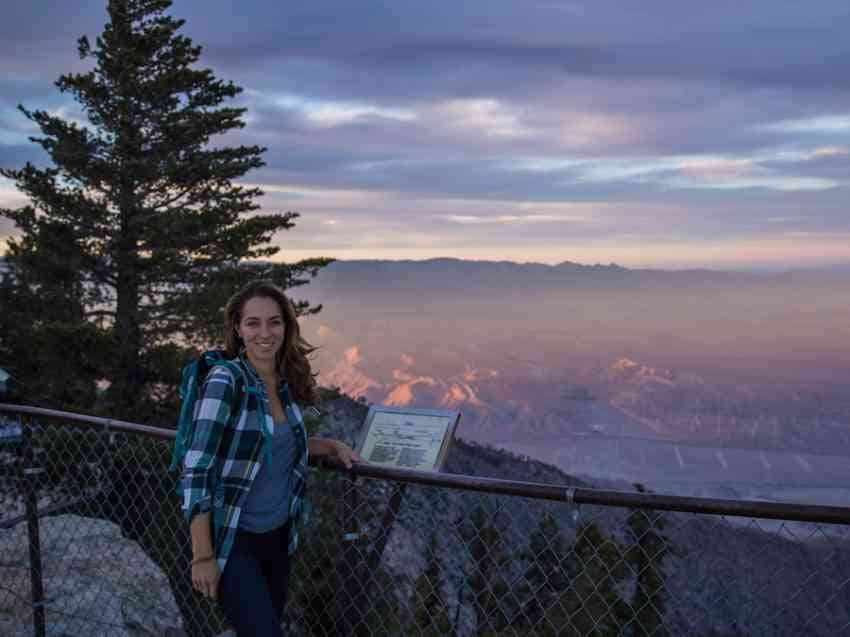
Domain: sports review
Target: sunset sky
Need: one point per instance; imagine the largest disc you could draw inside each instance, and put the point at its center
(661, 134)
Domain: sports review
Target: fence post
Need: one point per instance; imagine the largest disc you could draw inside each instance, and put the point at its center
(351, 614)
(28, 479)
(387, 524)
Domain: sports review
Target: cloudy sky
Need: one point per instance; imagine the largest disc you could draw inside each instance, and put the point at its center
(659, 133)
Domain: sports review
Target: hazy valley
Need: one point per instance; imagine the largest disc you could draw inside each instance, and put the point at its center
(704, 382)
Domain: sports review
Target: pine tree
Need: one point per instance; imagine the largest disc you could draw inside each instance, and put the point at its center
(646, 557)
(545, 580)
(46, 344)
(485, 543)
(337, 591)
(594, 604)
(147, 208)
(430, 614)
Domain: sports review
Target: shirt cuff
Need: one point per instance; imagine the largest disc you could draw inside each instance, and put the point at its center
(204, 505)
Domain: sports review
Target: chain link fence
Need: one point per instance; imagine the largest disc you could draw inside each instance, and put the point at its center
(93, 542)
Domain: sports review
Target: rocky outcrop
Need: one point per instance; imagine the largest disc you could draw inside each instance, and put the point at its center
(96, 582)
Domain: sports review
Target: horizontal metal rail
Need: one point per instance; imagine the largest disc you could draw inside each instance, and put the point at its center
(91, 421)
(561, 493)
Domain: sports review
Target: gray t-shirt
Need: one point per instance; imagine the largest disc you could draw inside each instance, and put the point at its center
(267, 504)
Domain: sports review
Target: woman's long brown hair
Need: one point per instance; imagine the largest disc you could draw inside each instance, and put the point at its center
(292, 359)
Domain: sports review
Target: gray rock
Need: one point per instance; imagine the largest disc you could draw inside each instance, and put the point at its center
(96, 582)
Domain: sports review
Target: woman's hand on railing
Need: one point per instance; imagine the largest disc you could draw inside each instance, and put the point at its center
(330, 448)
(347, 455)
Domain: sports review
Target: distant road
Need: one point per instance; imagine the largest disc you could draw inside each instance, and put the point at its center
(645, 459)
(666, 441)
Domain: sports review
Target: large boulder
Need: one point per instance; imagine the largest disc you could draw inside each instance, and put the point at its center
(96, 582)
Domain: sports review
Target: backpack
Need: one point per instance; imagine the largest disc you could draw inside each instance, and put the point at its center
(192, 380)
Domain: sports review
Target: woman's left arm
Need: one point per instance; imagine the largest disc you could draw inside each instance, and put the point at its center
(333, 449)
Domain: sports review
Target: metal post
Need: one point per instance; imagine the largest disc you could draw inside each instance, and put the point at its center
(393, 506)
(28, 474)
(349, 606)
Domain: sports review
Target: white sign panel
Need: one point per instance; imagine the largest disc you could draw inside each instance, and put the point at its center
(408, 438)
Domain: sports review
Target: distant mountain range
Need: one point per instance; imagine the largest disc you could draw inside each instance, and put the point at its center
(472, 277)
(459, 277)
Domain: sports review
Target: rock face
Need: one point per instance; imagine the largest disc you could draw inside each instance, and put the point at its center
(96, 582)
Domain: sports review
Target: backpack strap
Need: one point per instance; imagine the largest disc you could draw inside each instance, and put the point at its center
(192, 377)
(188, 398)
(241, 386)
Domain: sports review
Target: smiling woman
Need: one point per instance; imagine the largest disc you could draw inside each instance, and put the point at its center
(244, 472)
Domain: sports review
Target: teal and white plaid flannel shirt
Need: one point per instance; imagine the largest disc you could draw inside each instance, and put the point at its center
(228, 444)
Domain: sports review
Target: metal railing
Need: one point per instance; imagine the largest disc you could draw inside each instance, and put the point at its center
(92, 542)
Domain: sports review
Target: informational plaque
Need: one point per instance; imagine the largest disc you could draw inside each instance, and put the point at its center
(407, 438)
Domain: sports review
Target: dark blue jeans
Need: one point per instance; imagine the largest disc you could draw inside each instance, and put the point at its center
(252, 589)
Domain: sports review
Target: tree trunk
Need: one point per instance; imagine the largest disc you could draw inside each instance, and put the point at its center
(127, 375)
(127, 378)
